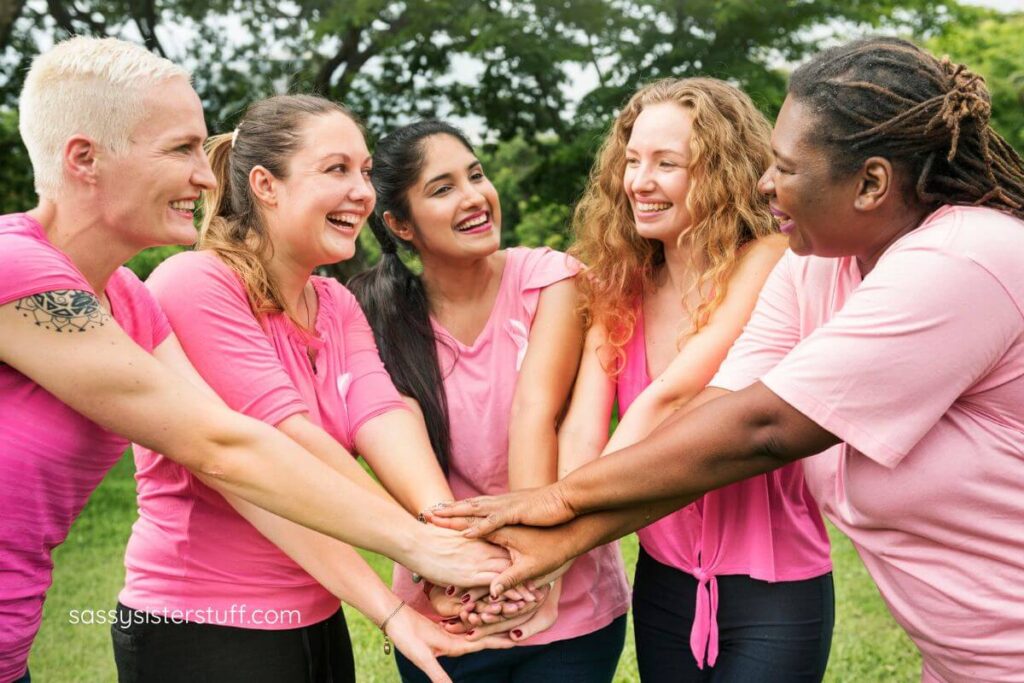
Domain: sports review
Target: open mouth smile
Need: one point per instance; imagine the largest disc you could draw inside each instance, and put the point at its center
(479, 222)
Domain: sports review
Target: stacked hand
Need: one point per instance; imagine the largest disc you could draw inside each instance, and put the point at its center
(535, 552)
(516, 614)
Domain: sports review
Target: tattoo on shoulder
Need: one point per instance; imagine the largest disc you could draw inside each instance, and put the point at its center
(64, 310)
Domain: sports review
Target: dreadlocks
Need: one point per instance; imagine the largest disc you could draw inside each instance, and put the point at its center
(887, 97)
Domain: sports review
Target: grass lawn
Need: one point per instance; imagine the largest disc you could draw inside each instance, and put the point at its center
(868, 645)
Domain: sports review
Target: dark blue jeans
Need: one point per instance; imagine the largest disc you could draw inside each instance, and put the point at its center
(767, 632)
(591, 658)
(24, 679)
(166, 652)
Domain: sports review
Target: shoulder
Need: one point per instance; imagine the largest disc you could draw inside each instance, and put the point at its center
(334, 297)
(539, 267)
(190, 270)
(760, 255)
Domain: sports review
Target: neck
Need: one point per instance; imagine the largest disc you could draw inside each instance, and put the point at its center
(455, 282)
(892, 229)
(81, 234)
(291, 279)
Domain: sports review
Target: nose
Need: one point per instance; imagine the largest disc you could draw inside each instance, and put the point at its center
(641, 179)
(766, 183)
(472, 197)
(362, 190)
(202, 174)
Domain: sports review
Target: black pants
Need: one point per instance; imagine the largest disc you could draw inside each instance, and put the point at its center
(767, 632)
(150, 650)
(589, 658)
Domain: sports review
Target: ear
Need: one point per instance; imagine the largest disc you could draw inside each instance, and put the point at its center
(401, 230)
(263, 185)
(81, 158)
(877, 182)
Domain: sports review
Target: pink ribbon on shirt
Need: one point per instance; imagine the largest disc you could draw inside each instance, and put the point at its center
(520, 337)
(704, 633)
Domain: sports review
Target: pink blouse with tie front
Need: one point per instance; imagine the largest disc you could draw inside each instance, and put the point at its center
(767, 527)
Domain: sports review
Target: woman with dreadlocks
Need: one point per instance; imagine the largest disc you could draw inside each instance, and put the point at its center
(891, 337)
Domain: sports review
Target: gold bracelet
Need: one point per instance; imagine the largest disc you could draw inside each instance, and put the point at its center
(383, 625)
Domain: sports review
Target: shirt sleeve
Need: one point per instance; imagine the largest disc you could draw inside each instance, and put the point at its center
(371, 391)
(921, 329)
(209, 312)
(147, 313)
(772, 331)
(29, 266)
(540, 268)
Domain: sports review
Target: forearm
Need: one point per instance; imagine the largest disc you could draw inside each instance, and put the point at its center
(731, 438)
(258, 463)
(533, 448)
(643, 416)
(397, 448)
(335, 565)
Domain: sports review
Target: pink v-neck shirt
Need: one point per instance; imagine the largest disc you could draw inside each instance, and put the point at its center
(190, 553)
(767, 527)
(51, 457)
(919, 369)
(480, 382)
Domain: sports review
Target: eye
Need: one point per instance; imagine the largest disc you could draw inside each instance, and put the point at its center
(667, 164)
(781, 170)
(477, 175)
(367, 172)
(632, 161)
(440, 190)
(339, 168)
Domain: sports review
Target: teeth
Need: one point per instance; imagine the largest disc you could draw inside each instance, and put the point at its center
(184, 205)
(349, 218)
(646, 206)
(472, 223)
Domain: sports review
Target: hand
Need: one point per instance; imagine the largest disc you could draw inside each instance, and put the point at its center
(545, 506)
(534, 552)
(421, 641)
(543, 618)
(446, 557)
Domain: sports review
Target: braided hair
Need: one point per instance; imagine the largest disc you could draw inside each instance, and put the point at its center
(930, 117)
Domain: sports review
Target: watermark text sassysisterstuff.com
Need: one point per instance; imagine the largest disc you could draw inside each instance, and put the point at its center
(236, 615)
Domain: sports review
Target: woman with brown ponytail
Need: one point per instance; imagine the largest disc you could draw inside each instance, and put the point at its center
(216, 589)
(890, 340)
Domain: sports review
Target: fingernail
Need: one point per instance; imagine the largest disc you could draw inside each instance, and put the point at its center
(465, 598)
(449, 591)
(470, 632)
(451, 620)
(498, 590)
(517, 633)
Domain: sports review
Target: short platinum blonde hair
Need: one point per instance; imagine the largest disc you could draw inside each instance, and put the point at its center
(85, 86)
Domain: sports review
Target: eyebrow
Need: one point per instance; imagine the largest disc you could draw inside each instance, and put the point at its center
(781, 157)
(187, 139)
(329, 155)
(663, 150)
(443, 176)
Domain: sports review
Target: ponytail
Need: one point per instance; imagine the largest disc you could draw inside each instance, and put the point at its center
(395, 303)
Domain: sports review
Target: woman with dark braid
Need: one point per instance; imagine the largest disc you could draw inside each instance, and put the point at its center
(890, 342)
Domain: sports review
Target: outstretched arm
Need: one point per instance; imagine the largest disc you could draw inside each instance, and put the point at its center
(101, 373)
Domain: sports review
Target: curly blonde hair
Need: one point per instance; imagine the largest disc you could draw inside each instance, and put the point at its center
(729, 150)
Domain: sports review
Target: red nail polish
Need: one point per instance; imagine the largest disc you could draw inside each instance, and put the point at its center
(449, 591)
(516, 633)
(465, 598)
(469, 633)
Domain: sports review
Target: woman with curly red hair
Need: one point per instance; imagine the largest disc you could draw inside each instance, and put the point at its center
(678, 243)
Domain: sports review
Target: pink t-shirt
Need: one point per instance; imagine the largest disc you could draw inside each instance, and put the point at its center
(51, 458)
(919, 369)
(767, 527)
(480, 382)
(189, 549)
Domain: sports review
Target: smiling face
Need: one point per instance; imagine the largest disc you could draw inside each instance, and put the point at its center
(148, 194)
(454, 208)
(318, 209)
(657, 176)
(813, 208)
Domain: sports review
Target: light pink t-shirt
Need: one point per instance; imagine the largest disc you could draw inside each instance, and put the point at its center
(51, 458)
(919, 369)
(767, 527)
(480, 382)
(189, 549)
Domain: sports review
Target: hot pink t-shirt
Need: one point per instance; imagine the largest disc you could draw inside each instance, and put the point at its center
(480, 382)
(51, 458)
(767, 527)
(919, 369)
(189, 549)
